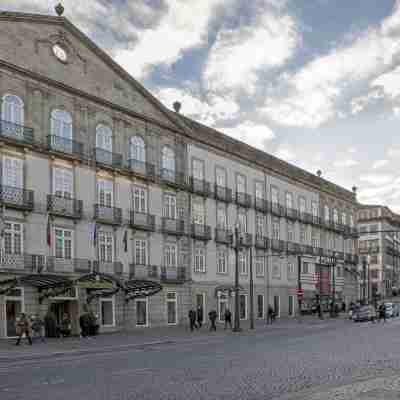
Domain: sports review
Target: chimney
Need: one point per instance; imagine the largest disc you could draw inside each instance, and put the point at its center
(177, 106)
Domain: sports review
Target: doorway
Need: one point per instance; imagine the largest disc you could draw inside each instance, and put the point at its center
(13, 310)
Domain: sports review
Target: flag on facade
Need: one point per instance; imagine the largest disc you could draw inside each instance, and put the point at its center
(125, 240)
(48, 231)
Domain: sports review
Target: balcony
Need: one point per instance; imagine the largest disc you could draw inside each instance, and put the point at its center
(66, 146)
(277, 245)
(110, 268)
(68, 265)
(21, 262)
(243, 199)
(261, 242)
(261, 204)
(16, 132)
(369, 250)
(306, 218)
(223, 193)
(315, 220)
(139, 271)
(201, 232)
(223, 236)
(277, 209)
(142, 168)
(293, 248)
(173, 226)
(64, 207)
(245, 239)
(200, 186)
(291, 213)
(143, 221)
(17, 198)
(107, 158)
(107, 215)
(173, 178)
(306, 249)
(173, 274)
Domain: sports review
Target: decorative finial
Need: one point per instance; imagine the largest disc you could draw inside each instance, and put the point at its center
(177, 106)
(354, 189)
(319, 173)
(59, 9)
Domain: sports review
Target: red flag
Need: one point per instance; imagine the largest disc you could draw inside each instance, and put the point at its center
(48, 231)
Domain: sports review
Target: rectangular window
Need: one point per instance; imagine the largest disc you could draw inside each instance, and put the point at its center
(142, 317)
(222, 261)
(220, 177)
(291, 271)
(198, 169)
(289, 200)
(303, 234)
(140, 252)
(139, 199)
(242, 306)
(306, 268)
(314, 208)
(170, 253)
(13, 172)
(302, 205)
(172, 316)
(105, 191)
(314, 238)
(259, 225)
(221, 216)
(259, 266)
(63, 182)
(276, 271)
(259, 188)
(290, 232)
(63, 243)
(170, 206)
(198, 211)
(243, 262)
(242, 220)
(200, 259)
(335, 216)
(275, 229)
(260, 306)
(274, 195)
(240, 183)
(326, 214)
(344, 218)
(107, 311)
(106, 246)
(351, 221)
(13, 238)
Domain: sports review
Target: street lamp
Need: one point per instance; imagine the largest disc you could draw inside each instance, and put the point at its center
(236, 326)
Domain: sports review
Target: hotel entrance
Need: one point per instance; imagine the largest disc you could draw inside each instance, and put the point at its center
(14, 306)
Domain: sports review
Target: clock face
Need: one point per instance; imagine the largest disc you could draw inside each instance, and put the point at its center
(60, 53)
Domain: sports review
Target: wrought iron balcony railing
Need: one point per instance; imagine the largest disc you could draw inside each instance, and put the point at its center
(68, 265)
(291, 213)
(64, 206)
(172, 177)
(108, 215)
(143, 271)
(223, 236)
(173, 274)
(172, 226)
(21, 262)
(142, 168)
(16, 132)
(108, 158)
(223, 194)
(201, 232)
(305, 217)
(64, 145)
(261, 204)
(143, 221)
(315, 220)
(245, 239)
(277, 209)
(369, 250)
(277, 245)
(261, 242)
(16, 197)
(243, 199)
(108, 267)
(293, 248)
(200, 186)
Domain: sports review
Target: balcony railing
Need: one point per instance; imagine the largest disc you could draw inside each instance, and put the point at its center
(172, 177)
(245, 239)
(108, 158)
(261, 242)
(243, 199)
(16, 197)
(22, 262)
(108, 215)
(260, 204)
(16, 132)
(173, 226)
(140, 271)
(291, 213)
(223, 193)
(201, 232)
(315, 220)
(369, 250)
(277, 245)
(173, 274)
(223, 236)
(143, 221)
(64, 145)
(277, 209)
(65, 207)
(68, 265)
(142, 168)
(293, 248)
(200, 186)
(108, 267)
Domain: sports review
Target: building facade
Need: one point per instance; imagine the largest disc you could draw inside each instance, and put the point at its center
(105, 190)
(379, 239)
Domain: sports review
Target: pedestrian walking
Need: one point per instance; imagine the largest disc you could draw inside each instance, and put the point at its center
(192, 319)
(24, 327)
(228, 318)
(319, 311)
(343, 306)
(212, 315)
(65, 328)
(382, 313)
(199, 315)
(84, 324)
(270, 314)
(37, 328)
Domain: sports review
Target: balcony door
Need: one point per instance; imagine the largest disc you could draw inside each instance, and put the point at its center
(139, 199)
(13, 172)
(170, 206)
(63, 182)
(198, 169)
(105, 192)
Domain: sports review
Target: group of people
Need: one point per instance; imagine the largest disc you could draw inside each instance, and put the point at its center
(89, 324)
(196, 319)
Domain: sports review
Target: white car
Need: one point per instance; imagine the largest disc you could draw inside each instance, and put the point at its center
(389, 310)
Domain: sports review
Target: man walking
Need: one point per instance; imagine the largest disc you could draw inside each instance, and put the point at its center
(24, 326)
(192, 319)
(37, 328)
(199, 315)
(382, 313)
(212, 315)
(228, 318)
(270, 314)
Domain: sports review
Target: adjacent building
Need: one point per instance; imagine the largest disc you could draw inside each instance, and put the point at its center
(110, 199)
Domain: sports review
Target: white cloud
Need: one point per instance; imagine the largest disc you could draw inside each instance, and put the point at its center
(251, 133)
(238, 54)
(377, 179)
(389, 82)
(345, 163)
(379, 164)
(359, 103)
(285, 153)
(393, 152)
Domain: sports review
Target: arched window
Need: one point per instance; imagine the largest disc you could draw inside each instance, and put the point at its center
(61, 124)
(138, 149)
(104, 137)
(12, 109)
(168, 158)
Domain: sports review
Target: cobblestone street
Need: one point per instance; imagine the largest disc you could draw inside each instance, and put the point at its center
(312, 360)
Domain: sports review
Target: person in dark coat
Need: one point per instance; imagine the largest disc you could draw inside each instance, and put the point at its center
(199, 315)
(50, 325)
(382, 313)
(343, 306)
(65, 329)
(270, 315)
(212, 315)
(192, 319)
(24, 326)
(228, 318)
(84, 324)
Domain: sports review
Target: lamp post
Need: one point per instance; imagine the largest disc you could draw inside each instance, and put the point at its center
(299, 289)
(236, 326)
(333, 264)
(364, 264)
(251, 290)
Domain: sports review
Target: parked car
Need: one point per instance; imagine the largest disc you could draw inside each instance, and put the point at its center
(389, 310)
(364, 313)
(396, 309)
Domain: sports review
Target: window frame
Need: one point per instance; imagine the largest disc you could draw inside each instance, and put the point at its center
(15, 109)
(72, 239)
(146, 301)
(13, 233)
(137, 148)
(104, 242)
(112, 301)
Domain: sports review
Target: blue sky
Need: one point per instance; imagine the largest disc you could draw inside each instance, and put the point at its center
(315, 82)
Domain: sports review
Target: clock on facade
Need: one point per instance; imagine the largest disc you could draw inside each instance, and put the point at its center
(60, 53)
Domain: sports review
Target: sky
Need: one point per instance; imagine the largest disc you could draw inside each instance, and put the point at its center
(314, 82)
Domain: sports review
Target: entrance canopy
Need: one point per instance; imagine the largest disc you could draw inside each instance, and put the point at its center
(141, 288)
(227, 289)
